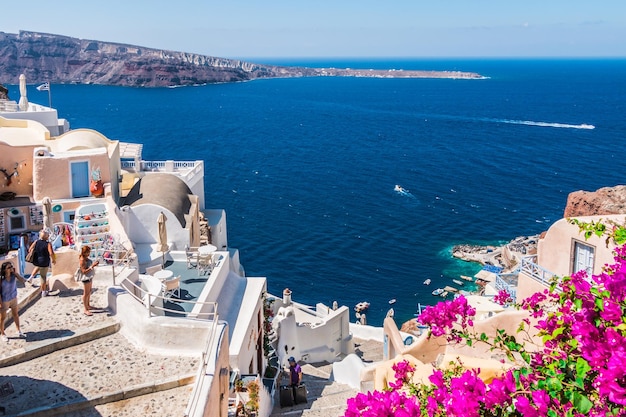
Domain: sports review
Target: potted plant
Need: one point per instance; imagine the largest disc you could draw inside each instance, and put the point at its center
(239, 385)
(95, 186)
(253, 397)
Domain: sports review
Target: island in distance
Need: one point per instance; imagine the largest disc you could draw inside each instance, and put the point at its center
(65, 60)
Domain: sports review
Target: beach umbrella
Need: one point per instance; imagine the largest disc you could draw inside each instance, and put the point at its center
(47, 213)
(23, 100)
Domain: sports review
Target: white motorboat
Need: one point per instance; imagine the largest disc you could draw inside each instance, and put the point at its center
(438, 291)
(362, 306)
(427, 282)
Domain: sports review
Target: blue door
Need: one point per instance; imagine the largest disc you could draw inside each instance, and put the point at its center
(80, 179)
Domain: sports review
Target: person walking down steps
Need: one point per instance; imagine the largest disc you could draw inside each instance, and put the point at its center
(43, 254)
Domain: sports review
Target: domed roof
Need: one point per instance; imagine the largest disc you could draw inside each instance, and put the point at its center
(165, 190)
(81, 139)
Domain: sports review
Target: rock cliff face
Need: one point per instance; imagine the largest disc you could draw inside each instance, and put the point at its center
(607, 200)
(62, 59)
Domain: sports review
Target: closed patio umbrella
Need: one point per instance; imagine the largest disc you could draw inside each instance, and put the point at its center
(47, 213)
(163, 247)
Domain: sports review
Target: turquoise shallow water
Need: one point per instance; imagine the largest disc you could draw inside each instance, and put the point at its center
(306, 168)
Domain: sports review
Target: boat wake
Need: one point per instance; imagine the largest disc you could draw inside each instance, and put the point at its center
(545, 124)
(403, 191)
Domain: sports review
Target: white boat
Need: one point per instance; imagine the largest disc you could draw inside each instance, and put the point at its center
(427, 282)
(438, 291)
(400, 189)
(392, 301)
(362, 306)
(466, 278)
(444, 294)
(457, 281)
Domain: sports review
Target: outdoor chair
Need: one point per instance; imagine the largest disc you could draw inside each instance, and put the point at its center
(150, 270)
(215, 260)
(192, 257)
(171, 287)
(205, 264)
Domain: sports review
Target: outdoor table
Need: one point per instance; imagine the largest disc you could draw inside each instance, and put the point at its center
(206, 249)
(163, 274)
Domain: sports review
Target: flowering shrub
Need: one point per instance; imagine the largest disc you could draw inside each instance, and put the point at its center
(579, 371)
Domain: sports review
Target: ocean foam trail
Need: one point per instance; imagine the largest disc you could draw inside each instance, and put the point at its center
(546, 124)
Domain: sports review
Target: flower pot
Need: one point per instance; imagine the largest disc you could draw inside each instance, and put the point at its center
(96, 188)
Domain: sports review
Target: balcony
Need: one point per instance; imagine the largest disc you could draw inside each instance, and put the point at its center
(188, 171)
(530, 268)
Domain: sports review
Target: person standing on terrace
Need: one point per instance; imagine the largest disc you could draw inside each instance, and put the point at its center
(86, 266)
(8, 297)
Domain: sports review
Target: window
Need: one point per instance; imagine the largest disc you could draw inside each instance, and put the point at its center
(17, 223)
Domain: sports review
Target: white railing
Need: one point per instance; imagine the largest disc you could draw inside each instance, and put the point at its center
(187, 170)
(139, 294)
(159, 165)
(501, 284)
(198, 387)
(538, 273)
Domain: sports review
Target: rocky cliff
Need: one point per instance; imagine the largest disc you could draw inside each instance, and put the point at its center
(607, 200)
(62, 59)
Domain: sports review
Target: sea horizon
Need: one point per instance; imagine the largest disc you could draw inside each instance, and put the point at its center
(306, 167)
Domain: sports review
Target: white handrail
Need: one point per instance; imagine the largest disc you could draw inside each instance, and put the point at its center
(194, 402)
(151, 298)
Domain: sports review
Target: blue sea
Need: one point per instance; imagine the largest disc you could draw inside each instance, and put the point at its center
(306, 168)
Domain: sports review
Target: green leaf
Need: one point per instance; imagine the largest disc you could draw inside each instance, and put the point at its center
(582, 403)
(554, 385)
(582, 367)
(578, 303)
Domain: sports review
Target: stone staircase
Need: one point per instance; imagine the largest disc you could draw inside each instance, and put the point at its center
(325, 398)
(76, 365)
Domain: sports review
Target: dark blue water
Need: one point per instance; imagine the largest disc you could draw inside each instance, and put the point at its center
(306, 168)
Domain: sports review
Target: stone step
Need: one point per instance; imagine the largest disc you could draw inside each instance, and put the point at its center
(162, 403)
(101, 371)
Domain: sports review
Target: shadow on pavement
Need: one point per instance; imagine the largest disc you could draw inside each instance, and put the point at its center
(18, 394)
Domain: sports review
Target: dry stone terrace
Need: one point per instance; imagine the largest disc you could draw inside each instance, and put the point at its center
(74, 365)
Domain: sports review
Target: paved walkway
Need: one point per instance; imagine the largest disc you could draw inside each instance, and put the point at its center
(99, 364)
(75, 365)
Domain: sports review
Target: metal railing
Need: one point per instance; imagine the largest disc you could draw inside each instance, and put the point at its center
(158, 165)
(194, 401)
(529, 267)
(501, 284)
(133, 289)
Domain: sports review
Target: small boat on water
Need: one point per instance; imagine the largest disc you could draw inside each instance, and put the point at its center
(362, 306)
(438, 291)
(427, 282)
(392, 301)
(444, 294)
(466, 278)
(457, 281)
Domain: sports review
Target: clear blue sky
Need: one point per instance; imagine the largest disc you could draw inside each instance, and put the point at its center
(338, 28)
